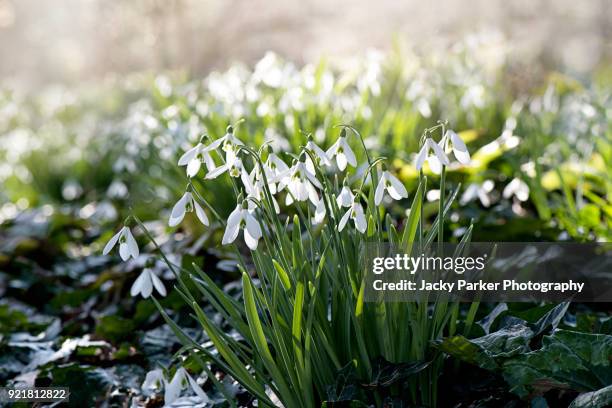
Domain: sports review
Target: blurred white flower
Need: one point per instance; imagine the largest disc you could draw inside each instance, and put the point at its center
(517, 188)
(392, 185)
(345, 198)
(194, 157)
(186, 204)
(127, 244)
(480, 191)
(154, 380)
(145, 282)
(357, 215)
(439, 155)
(180, 381)
(239, 219)
(343, 153)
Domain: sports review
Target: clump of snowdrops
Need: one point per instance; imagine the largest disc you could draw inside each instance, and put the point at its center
(302, 316)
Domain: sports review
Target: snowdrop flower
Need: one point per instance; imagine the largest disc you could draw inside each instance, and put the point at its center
(388, 182)
(342, 152)
(345, 198)
(276, 165)
(459, 148)
(145, 282)
(233, 165)
(194, 157)
(180, 381)
(424, 154)
(254, 188)
(480, 191)
(320, 212)
(357, 215)
(186, 204)
(154, 380)
(517, 188)
(239, 219)
(227, 142)
(319, 154)
(127, 244)
(301, 184)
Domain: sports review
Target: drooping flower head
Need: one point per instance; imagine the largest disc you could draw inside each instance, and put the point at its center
(319, 153)
(301, 183)
(346, 197)
(127, 244)
(342, 152)
(144, 284)
(242, 219)
(233, 166)
(194, 157)
(480, 191)
(355, 213)
(389, 183)
(227, 141)
(186, 204)
(438, 153)
(517, 188)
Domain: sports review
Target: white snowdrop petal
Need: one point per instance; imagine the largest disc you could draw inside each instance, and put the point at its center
(310, 165)
(344, 219)
(146, 287)
(313, 196)
(188, 155)
(463, 157)
(217, 172)
(233, 226)
(137, 285)
(331, 152)
(360, 220)
(209, 162)
(341, 161)
(215, 144)
(439, 152)
(420, 159)
(250, 240)
(349, 154)
(313, 180)
(158, 284)
(434, 164)
(380, 190)
(200, 213)
(253, 226)
(197, 390)
(456, 141)
(397, 185)
(178, 211)
(173, 389)
(193, 167)
(124, 252)
(111, 243)
(131, 244)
